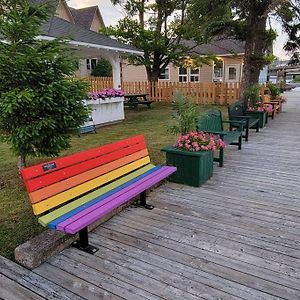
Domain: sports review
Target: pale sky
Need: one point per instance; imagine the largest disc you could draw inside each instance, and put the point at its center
(112, 14)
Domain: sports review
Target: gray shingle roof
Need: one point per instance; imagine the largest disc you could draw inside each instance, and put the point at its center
(57, 27)
(84, 16)
(218, 46)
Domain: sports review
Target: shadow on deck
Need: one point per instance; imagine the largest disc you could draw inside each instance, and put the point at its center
(236, 237)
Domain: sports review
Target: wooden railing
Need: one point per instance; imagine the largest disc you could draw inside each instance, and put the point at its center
(201, 93)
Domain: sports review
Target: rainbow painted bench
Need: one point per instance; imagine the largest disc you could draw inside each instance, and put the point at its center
(72, 192)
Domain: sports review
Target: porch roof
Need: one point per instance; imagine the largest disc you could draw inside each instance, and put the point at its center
(81, 36)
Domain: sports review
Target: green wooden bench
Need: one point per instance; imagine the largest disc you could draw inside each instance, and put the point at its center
(70, 193)
(212, 122)
(239, 119)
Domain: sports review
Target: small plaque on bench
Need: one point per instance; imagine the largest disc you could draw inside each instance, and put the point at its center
(49, 166)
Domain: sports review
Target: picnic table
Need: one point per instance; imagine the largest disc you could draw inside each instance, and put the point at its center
(133, 100)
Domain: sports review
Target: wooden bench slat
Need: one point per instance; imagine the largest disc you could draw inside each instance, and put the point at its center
(63, 162)
(54, 177)
(66, 184)
(54, 223)
(95, 212)
(57, 213)
(65, 196)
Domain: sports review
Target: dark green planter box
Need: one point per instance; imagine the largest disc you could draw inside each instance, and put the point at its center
(193, 168)
(261, 115)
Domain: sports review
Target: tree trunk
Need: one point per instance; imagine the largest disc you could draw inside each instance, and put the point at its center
(21, 162)
(255, 47)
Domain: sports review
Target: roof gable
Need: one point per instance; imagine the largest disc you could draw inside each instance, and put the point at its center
(63, 11)
(86, 16)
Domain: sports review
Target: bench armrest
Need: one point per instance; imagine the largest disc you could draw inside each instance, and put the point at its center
(220, 133)
(241, 123)
(240, 117)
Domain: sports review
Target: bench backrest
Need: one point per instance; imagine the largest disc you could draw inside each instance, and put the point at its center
(64, 179)
(211, 121)
(236, 110)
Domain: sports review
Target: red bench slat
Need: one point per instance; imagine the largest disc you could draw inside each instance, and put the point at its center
(63, 162)
(51, 178)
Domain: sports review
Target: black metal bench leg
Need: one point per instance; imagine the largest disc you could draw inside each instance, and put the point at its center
(247, 134)
(143, 202)
(221, 157)
(83, 242)
(257, 127)
(240, 143)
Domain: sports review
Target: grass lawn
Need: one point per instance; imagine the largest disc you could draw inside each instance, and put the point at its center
(17, 222)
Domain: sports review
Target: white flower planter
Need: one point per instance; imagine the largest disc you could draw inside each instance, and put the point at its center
(107, 110)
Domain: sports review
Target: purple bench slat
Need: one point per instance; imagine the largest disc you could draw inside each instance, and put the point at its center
(61, 226)
(99, 210)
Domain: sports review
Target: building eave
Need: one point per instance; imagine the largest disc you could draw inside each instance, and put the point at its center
(97, 46)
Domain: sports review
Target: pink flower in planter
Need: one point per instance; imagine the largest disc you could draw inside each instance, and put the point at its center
(106, 93)
(199, 141)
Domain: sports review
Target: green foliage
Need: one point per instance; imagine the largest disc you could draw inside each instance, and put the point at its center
(185, 115)
(103, 68)
(39, 104)
(252, 94)
(248, 21)
(158, 28)
(274, 89)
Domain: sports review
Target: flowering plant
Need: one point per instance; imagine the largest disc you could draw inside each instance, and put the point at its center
(106, 93)
(199, 141)
(259, 106)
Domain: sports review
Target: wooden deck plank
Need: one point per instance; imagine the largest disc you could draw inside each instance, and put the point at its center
(11, 290)
(236, 237)
(247, 268)
(33, 282)
(74, 284)
(96, 276)
(131, 247)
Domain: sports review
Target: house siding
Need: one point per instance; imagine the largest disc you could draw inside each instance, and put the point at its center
(206, 73)
(132, 73)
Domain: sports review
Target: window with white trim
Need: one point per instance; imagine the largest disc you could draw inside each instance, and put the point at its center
(188, 75)
(88, 64)
(232, 73)
(218, 71)
(165, 74)
(183, 74)
(194, 75)
(91, 63)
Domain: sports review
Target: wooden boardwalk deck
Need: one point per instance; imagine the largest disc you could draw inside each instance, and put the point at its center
(236, 237)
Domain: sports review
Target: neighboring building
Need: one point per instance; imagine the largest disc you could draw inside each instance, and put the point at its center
(85, 42)
(228, 68)
(90, 18)
(285, 70)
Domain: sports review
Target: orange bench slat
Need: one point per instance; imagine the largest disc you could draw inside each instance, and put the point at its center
(48, 191)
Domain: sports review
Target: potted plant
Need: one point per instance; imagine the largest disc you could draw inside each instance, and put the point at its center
(107, 105)
(192, 155)
(255, 106)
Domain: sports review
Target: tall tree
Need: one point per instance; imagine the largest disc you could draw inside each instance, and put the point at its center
(246, 20)
(159, 29)
(39, 104)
